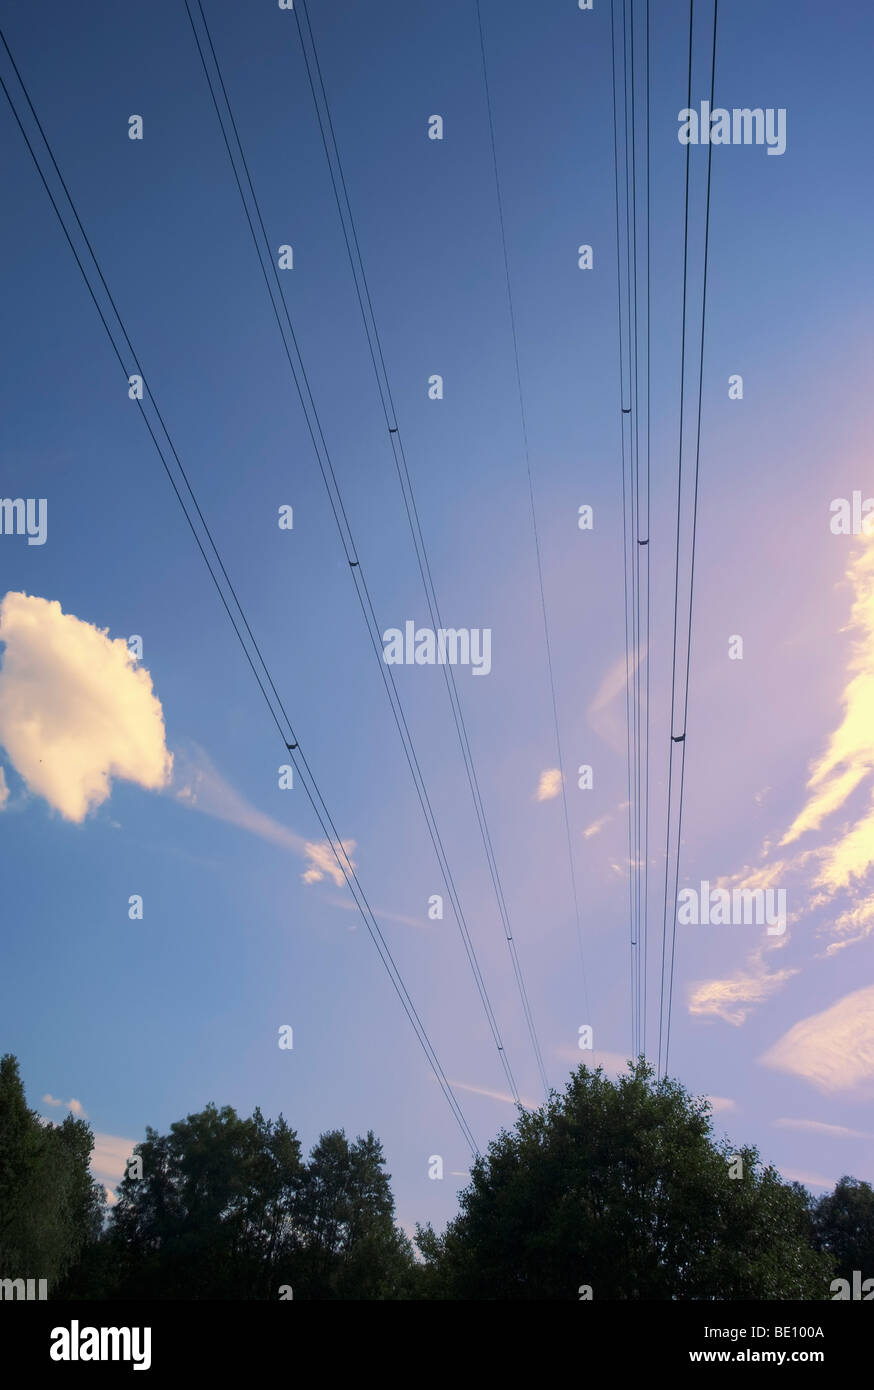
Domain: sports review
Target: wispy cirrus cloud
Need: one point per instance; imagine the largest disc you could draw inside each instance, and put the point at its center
(733, 999)
(604, 715)
(819, 1127)
(596, 826)
(834, 1049)
(807, 1179)
(197, 783)
(839, 864)
(503, 1096)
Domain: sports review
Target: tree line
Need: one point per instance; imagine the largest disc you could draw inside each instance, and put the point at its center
(612, 1190)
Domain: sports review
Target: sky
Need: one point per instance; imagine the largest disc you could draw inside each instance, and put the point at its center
(157, 776)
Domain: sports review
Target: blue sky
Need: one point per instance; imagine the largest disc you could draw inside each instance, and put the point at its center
(145, 1021)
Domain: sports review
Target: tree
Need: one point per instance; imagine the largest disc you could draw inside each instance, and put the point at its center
(212, 1214)
(844, 1225)
(351, 1247)
(226, 1209)
(50, 1206)
(622, 1188)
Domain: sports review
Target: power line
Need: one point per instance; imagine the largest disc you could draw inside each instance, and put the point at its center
(647, 541)
(634, 442)
(681, 737)
(694, 534)
(524, 424)
(628, 530)
(356, 262)
(291, 744)
(329, 478)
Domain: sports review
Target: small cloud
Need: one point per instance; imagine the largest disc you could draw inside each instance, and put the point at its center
(75, 1106)
(323, 861)
(719, 1104)
(4, 790)
(596, 827)
(76, 709)
(549, 785)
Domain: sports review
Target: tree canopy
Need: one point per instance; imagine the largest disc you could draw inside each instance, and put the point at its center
(621, 1188)
(612, 1190)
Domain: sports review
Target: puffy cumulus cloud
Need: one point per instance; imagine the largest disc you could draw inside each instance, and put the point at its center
(833, 1050)
(549, 785)
(75, 708)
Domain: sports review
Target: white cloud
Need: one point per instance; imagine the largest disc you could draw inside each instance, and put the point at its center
(73, 1105)
(733, 999)
(833, 1050)
(76, 709)
(597, 826)
(4, 790)
(324, 863)
(549, 785)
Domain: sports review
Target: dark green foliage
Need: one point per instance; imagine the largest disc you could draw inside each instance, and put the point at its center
(349, 1244)
(623, 1187)
(50, 1206)
(225, 1209)
(212, 1214)
(844, 1226)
